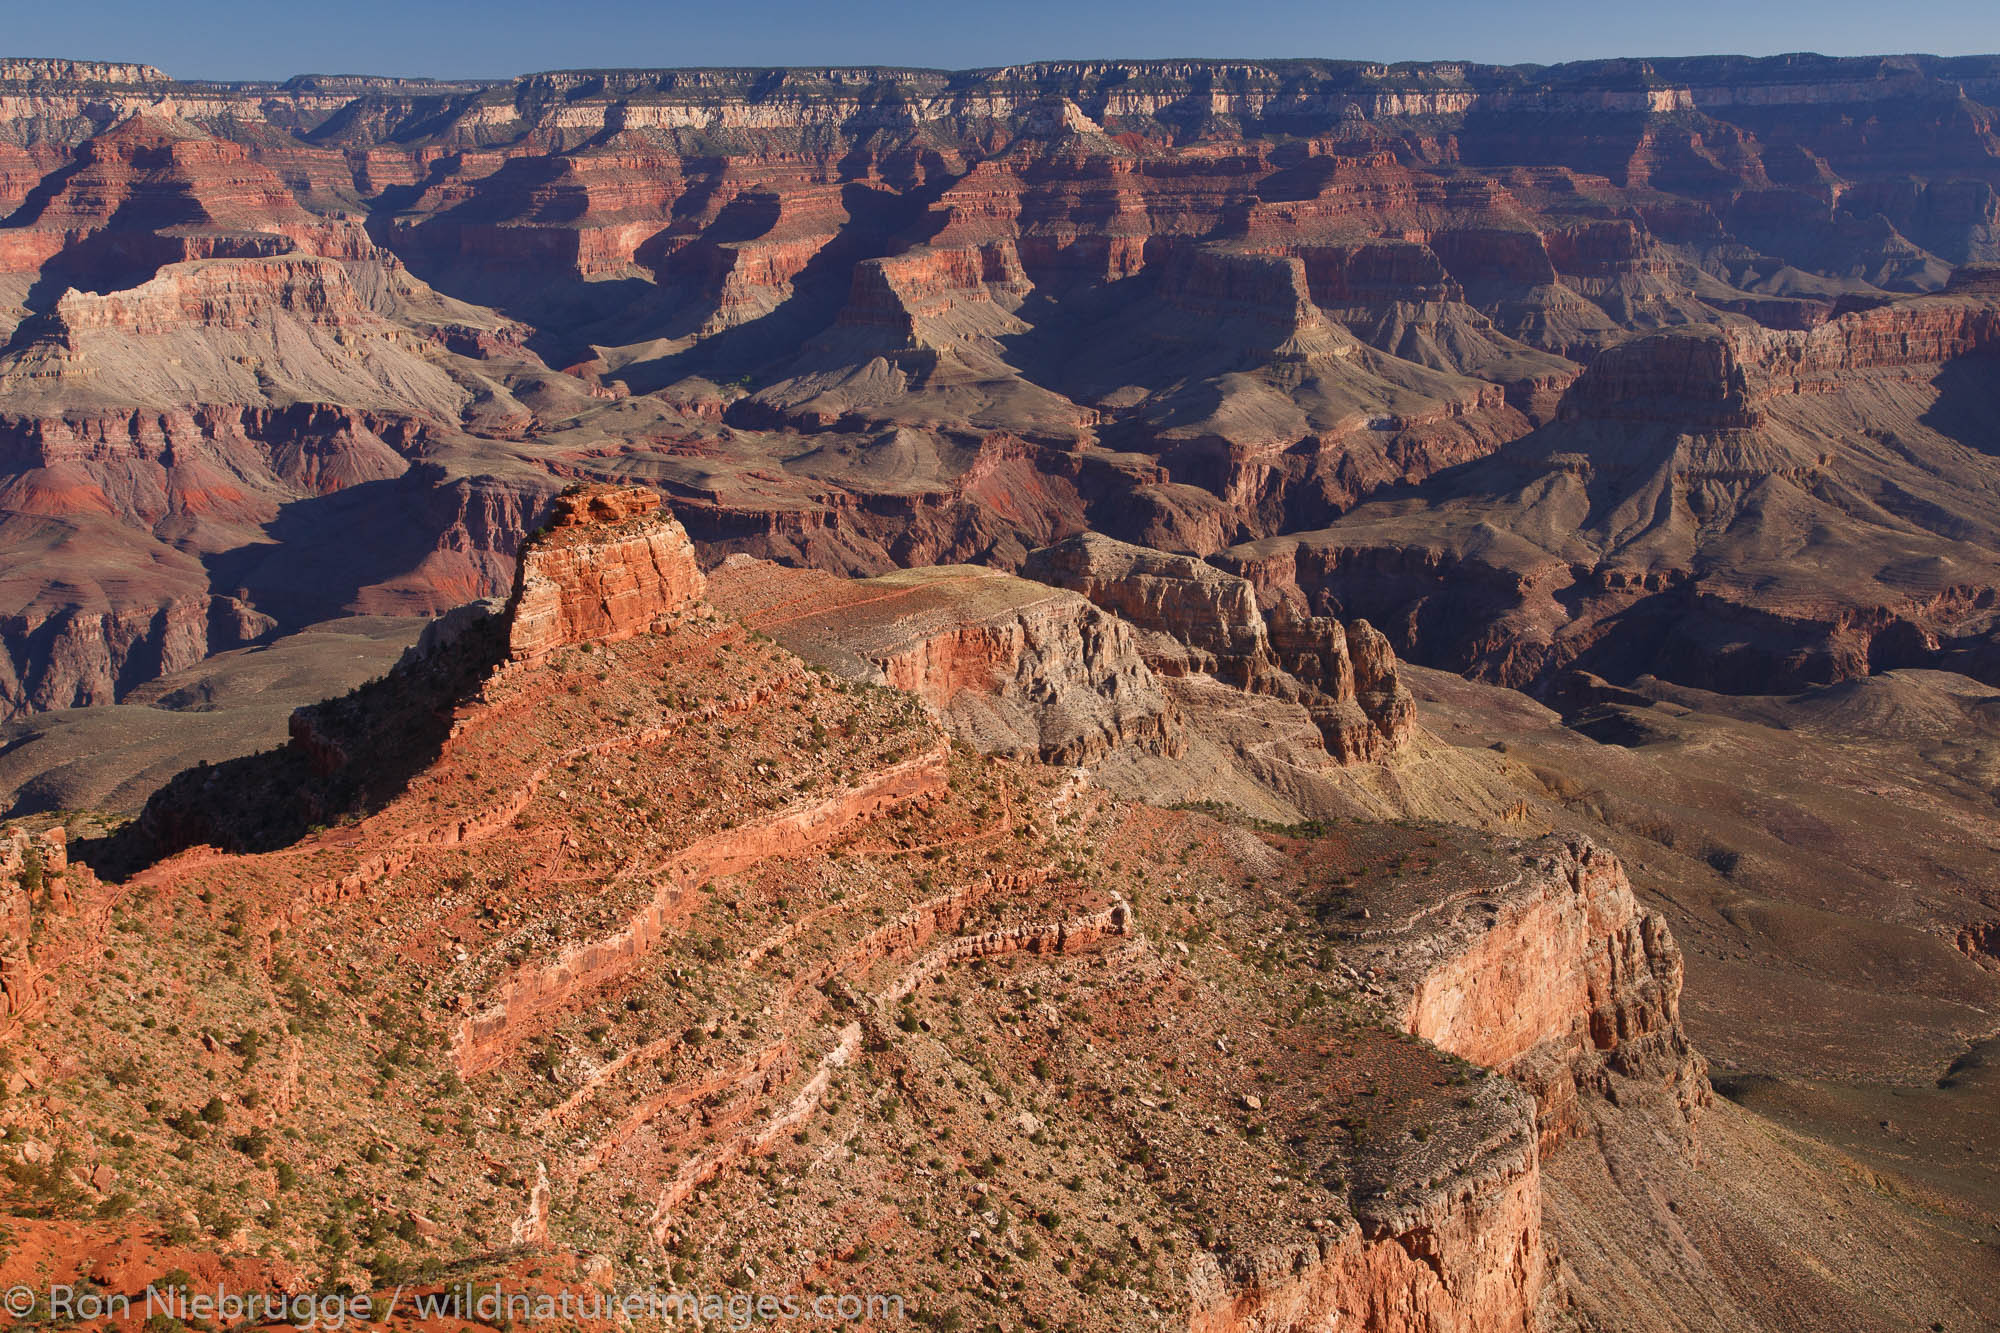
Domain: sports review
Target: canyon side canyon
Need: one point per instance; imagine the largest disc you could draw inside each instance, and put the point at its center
(1252, 696)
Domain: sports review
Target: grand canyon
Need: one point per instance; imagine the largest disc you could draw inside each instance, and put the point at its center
(1233, 695)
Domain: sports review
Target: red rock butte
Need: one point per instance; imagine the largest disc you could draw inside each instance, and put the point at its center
(607, 567)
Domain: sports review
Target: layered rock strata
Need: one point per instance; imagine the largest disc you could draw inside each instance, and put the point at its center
(1655, 525)
(1201, 619)
(1012, 666)
(607, 567)
(1555, 976)
(867, 318)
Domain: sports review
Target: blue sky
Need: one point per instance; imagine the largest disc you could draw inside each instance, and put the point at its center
(242, 39)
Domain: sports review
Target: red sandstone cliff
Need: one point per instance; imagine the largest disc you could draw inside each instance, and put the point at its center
(1541, 966)
(1558, 978)
(50, 910)
(607, 567)
(1555, 977)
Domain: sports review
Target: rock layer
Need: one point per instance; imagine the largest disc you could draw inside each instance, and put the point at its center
(1204, 620)
(610, 564)
(1013, 667)
(1469, 1258)
(1557, 978)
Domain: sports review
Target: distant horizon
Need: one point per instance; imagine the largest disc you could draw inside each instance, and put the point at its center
(250, 41)
(490, 77)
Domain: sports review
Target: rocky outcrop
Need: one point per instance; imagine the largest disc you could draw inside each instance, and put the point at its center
(1536, 962)
(1540, 965)
(1670, 376)
(1360, 705)
(25, 865)
(1011, 666)
(1058, 681)
(50, 910)
(1555, 976)
(1213, 616)
(220, 295)
(1201, 619)
(609, 565)
(1451, 1245)
(1915, 337)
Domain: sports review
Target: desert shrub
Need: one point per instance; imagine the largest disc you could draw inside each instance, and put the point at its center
(49, 1184)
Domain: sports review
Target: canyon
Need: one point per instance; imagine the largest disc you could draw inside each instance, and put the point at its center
(728, 936)
(1652, 321)
(1245, 695)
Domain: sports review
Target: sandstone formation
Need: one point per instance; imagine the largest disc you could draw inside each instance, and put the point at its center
(1011, 666)
(646, 937)
(49, 911)
(1204, 620)
(606, 568)
(1569, 978)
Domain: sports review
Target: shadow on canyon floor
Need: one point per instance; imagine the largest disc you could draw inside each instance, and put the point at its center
(348, 757)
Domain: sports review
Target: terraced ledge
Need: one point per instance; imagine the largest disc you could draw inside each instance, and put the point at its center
(1053, 937)
(484, 1037)
(763, 1071)
(707, 1166)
